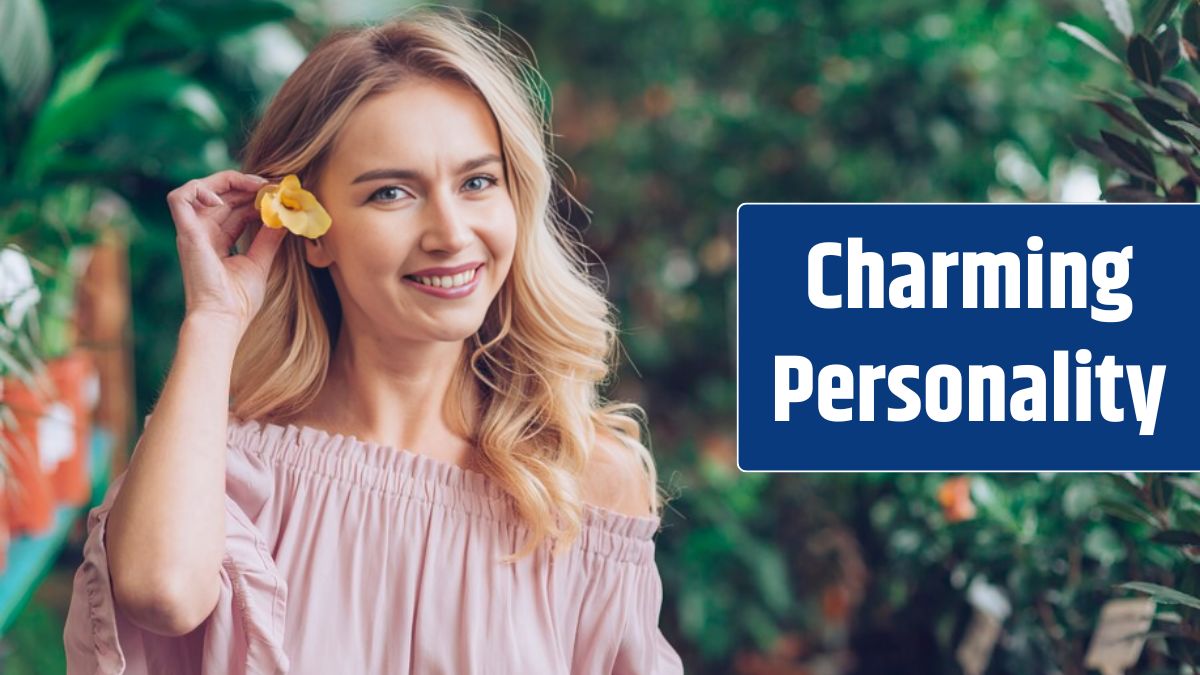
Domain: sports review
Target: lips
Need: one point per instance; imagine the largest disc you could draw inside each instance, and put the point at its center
(444, 271)
(449, 292)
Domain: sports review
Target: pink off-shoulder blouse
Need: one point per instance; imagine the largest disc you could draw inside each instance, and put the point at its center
(345, 556)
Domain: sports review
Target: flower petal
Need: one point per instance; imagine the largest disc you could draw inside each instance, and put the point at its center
(264, 192)
(270, 212)
(298, 222)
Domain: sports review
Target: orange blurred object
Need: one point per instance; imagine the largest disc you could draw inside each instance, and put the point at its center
(29, 498)
(955, 497)
(71, 478)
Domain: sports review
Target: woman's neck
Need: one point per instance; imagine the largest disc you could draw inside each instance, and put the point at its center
(393, 394)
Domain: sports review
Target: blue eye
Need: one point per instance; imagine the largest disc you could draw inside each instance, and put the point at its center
(389, 188)
(491, 180)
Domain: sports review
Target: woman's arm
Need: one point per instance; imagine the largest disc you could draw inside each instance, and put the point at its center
(165, 535)
(166, 529)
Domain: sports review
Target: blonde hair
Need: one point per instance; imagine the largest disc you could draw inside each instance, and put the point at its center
(547, 342)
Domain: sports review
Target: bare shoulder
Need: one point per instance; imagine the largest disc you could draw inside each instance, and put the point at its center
(615, 479)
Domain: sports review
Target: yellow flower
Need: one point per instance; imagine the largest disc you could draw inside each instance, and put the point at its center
(291, 206)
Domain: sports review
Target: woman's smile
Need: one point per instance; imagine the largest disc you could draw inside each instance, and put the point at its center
(449, 286)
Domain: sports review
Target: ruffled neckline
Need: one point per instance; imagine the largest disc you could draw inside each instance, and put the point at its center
(380, 466)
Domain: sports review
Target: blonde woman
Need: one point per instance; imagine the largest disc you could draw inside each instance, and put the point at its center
(381, 449)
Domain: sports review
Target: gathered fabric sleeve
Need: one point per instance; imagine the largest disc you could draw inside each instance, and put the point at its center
(644, 649)
(242, 635)
(619, 615)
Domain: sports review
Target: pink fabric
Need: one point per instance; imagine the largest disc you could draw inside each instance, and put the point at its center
(344, 556)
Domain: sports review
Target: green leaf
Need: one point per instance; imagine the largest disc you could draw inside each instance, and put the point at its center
(1106, 155)
(111, 96)
(1184, 190)
(1190, 27)
(1187, 519)
(1180, 90)
(80, 75)
(1190, 23)
(1130, 512)
(1157, 12)
(201, 24)
(1115, 96)
(26, 57)
(1122, 18)
(1134, 154)
(1167, 44)
(1167, 596)
(1144, 60)
(1129, 194)
(1125, 119)
(1087, 39)
(1097, 149)
(1178, 537)
(1158, 115)
(1188, 485)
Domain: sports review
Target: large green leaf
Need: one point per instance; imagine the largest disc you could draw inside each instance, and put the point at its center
(26, 58)
(112, 96)
(78, 76)
(201, 24)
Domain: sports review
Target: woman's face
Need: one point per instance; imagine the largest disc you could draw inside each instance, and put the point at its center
(416, 189)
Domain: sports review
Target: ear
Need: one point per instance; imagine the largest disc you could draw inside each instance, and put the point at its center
(317, 253)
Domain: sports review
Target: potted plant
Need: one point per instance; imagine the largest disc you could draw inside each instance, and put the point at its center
(28, 502)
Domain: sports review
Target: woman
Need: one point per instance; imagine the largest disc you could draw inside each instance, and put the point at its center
(382, 450)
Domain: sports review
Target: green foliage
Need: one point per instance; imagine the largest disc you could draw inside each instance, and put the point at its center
(1160, 162)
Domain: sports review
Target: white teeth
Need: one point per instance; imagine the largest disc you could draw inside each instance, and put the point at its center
(448, 281)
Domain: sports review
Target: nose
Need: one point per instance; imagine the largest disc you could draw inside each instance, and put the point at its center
(447, 224)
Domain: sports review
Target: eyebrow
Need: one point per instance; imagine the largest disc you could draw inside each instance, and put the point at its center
(405, 174)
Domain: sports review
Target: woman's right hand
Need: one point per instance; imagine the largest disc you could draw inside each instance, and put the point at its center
(210, 214)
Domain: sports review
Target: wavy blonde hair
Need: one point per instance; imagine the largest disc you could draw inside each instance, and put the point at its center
(546, 344)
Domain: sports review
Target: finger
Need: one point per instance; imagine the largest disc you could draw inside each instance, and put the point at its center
(182, 203)
(224, 182)
(231, 204)
(265, 245)
(209, 198)
(235, 222)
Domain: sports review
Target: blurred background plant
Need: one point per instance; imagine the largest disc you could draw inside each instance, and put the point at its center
(669, 115)
(1160, 53)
